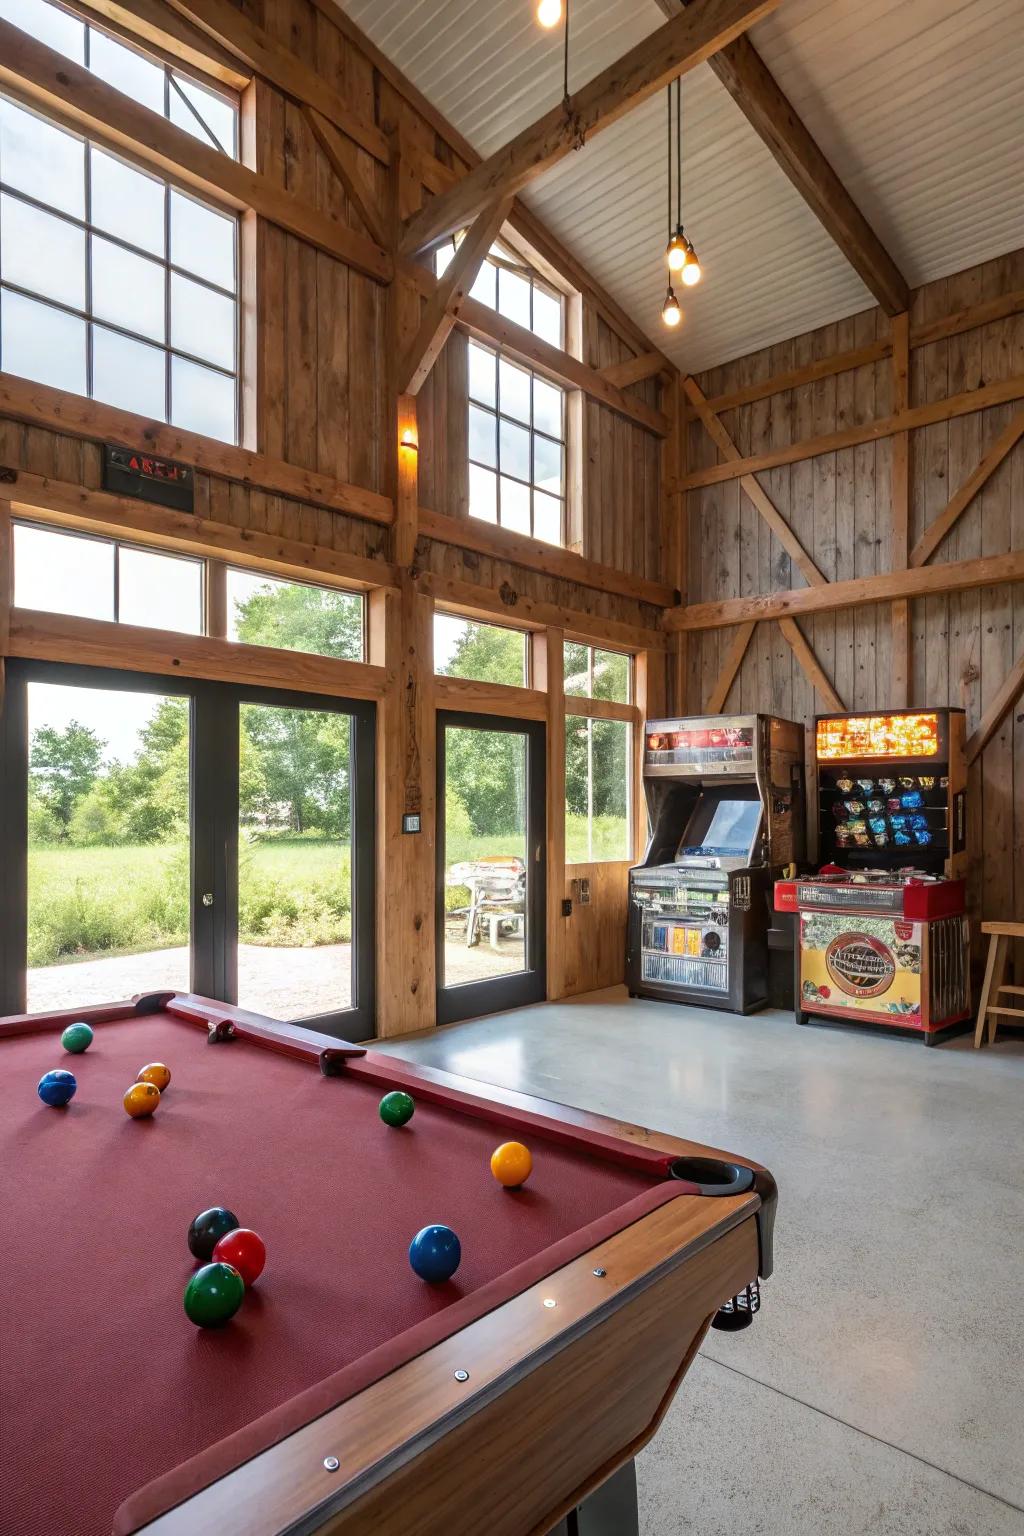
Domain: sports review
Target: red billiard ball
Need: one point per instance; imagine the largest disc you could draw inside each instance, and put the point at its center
(244, 1250)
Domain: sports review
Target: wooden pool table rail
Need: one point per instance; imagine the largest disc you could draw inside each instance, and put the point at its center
(556, 1399)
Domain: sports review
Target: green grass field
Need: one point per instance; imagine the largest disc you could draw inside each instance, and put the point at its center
(87, 902)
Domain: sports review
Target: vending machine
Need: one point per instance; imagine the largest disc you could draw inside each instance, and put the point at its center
(726, 811)
(882, 931)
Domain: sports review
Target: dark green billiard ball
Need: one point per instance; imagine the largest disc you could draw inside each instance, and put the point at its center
(396, 1108)
(77, 1038)
(213, 1295)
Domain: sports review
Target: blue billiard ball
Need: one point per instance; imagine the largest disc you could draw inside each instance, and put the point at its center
(77, 1038)
(57, 1088)
(434, 1253)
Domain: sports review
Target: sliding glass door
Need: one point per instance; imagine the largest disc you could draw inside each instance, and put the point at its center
(160, 832)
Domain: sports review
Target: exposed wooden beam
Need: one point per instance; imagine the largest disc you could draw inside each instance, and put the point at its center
(633, 370)
(518, 549)
(900, 503)
(521, 219)
(793, 378)
(507, 606)
(129, 647)
(753, 490)
(1006, 697)
(848, 437)
(41, 406)
(730, 666)
(74, 506)
(810, 666)
(752, 86)
(923, 581)
(968, 319)
(517, 342)
(344, 162)
(46, 79)
(958, 503)
(445, 304)
(153, 24)
(923, 335)
(682, 43)
(233, 31)
(771, 114)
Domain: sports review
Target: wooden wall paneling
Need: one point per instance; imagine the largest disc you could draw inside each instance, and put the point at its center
(1011, 271)
(1002, 345)
(595, 937)
(844, 661)
(828, 631)
(868, 528)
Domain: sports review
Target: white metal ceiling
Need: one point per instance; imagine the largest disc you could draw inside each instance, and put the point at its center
(919, 104)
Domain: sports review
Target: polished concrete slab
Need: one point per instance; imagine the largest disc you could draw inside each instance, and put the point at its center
(882, 1387)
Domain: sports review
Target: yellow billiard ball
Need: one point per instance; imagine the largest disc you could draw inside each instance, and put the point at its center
(511, 1164)
(141, 1099)
(156, 1073)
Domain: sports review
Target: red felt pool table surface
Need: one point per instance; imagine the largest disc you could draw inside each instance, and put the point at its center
(105, 1383)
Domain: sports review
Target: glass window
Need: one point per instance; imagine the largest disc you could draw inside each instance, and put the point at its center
(94, 578)
(594, 674)
(488, 653)
(202, 110)
(515, 427)
(117, 245)
(598, 763)
(510, 406)
(294, 616)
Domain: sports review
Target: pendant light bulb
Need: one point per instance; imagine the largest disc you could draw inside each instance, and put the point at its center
(676, 252)
(549, 12)
(691, 271)
(671, 314)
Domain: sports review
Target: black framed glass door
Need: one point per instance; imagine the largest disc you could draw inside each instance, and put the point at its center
(168, 832)
(491, 890)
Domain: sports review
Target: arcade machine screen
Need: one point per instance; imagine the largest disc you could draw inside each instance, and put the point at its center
(731, 832)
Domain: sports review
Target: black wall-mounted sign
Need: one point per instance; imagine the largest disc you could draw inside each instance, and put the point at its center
(131, 472)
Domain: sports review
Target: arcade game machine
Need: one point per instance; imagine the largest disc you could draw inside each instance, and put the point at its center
(883, 939)
(726, 811)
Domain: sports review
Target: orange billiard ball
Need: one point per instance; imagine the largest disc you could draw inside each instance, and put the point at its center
(141, 1099)
(511, 1164)
(156, 1073)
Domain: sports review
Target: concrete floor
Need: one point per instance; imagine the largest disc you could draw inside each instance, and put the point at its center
(882, 1388)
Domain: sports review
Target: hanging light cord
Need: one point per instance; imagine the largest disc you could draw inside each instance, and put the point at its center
(679, 152)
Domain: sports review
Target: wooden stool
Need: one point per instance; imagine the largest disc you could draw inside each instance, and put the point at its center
(999, 934)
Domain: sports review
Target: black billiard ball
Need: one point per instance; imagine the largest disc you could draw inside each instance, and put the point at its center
(208, 1228)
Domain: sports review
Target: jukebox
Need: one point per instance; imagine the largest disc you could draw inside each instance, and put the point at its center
(725, 806)
(882, 935)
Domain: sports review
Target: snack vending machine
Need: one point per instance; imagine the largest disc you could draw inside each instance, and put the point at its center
(726, 809)
(882, 931)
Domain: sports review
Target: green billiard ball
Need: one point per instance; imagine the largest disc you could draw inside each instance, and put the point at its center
(76, 1038)
(213, 1295)
(396, 1108)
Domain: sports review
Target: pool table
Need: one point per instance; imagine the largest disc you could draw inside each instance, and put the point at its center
(346, 1395)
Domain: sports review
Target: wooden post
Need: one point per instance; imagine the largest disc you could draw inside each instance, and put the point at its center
(401, 639)
(548, 672)
(675, 535)
(215, 599)
(900, 545)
